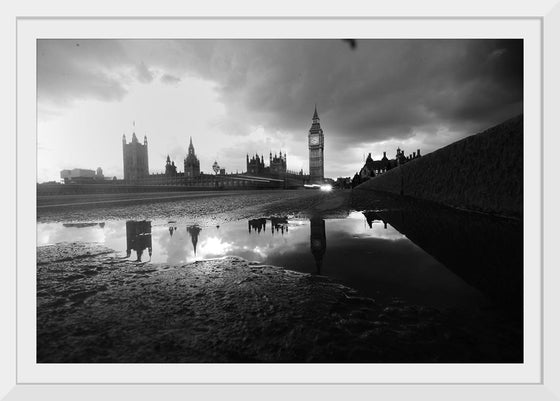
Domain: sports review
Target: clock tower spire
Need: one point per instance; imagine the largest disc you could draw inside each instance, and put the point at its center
(316, 146)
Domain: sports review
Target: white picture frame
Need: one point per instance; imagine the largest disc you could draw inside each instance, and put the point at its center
(547, 13)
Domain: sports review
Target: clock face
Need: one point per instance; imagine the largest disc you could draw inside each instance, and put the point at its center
(314, 140)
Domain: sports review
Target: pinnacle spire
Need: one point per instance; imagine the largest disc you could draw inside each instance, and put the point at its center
(315, 114)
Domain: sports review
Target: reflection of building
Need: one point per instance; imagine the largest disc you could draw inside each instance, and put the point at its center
(192, 164)
(316, 146)
(318, 241)
(193, 232)
(135, 158)
(371, 217)
(257, 225)
(138, 238)
(82, 225)
(279, 224)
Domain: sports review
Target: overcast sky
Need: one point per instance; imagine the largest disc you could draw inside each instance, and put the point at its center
(235, 97)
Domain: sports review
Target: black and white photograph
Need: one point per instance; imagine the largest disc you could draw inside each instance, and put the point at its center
(270, 201)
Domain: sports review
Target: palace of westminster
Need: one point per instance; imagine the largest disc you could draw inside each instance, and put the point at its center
(257, 174)
(136, 168)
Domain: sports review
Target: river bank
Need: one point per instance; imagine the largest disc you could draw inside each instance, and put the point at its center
(210, 207)
(93, 307)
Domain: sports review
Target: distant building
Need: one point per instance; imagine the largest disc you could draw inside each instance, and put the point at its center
(343, 182)
(316, 151)
(192, 164)
(99, 174)
(170, 167)
(255, 165)
(277, 166)
(77, 175)
(82, 176)
(135, 159)
(278, 163)
(372, 167)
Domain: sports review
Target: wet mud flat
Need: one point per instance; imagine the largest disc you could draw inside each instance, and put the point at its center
(206, 208)
(93, 306)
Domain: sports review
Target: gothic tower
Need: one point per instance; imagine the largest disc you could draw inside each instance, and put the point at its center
(192, 164)
(135, 158)
(193, 232)
(316, 146)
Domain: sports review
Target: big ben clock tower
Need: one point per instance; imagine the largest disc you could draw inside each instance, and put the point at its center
(316, 146)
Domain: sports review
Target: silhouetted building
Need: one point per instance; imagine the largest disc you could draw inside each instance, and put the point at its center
(194, 231)
(343, 182)
(402, 159)
(316, 151)
(192, 164)
(170, 167)
(135, 158)
(318, 241)
(372, 167)
(356, 180)
(255, 165)
(278, 164)
(138, 238)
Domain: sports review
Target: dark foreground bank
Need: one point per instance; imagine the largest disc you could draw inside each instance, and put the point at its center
(95, 307)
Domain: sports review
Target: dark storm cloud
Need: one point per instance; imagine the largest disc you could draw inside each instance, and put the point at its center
(79, 69)
(382, 89)
(379, 90)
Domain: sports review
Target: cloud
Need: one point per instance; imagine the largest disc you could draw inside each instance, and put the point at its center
(383, 89)
(144, 75)
(68, 70)
(170, 79)
(381, 92)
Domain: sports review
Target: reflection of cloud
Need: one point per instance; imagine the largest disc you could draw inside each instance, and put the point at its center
(171, 249)
(214, 247)
(53, 233)
(232, 239)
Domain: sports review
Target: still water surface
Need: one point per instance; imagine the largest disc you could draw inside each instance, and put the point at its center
(360, 251)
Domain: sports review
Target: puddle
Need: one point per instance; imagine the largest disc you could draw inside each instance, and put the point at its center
(361, 251)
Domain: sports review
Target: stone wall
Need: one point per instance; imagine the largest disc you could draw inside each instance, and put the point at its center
(483, 172)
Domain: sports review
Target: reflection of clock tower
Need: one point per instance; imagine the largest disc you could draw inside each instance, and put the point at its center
(316, 146)
(318, 241)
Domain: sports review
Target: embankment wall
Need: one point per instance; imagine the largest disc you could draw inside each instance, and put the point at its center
(483, 172)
